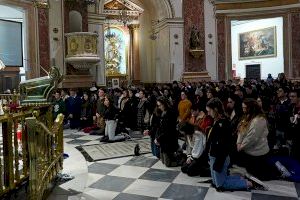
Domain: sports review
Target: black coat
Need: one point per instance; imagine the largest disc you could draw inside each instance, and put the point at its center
(219, 142)
(154, 125)
(166, 134)
(73, 105)
(110, 113)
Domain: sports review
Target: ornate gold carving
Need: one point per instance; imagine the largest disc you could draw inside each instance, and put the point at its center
(73, 46)
(41, 3)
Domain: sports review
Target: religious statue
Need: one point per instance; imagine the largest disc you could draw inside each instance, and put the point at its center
(112, 55)
(195, 38)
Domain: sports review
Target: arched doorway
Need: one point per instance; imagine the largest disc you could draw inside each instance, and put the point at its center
(158, 31)
(18, 27)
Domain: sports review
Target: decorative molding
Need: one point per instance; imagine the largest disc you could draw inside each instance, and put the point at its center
(131, 8)
(171, 6)
(196, 76)
(44, 4)
(287, 8)
(127, 3)
(96, 18)
(176, 22)
(246, 4)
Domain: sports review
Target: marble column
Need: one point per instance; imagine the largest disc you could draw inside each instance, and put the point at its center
(193, 11)
(96, 24)
(295, 34)
(221, 46)
(44, 49)
(194, 69)
(135, 52)
(56, 32)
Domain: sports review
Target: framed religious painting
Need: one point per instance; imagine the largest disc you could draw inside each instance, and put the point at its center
(261, 43)
(115, 82)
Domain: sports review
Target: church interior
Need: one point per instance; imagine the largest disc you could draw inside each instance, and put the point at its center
(233, 50)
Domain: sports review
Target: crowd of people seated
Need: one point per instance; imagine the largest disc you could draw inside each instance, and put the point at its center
(254, 125)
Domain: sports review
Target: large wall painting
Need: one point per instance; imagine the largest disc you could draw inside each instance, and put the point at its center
(256, 44)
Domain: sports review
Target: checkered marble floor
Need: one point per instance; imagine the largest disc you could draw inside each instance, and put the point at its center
(144, 178)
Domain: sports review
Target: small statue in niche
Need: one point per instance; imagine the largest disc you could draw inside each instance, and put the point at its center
(195, 38)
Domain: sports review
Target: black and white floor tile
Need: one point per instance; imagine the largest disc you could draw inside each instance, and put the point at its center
(144, 178)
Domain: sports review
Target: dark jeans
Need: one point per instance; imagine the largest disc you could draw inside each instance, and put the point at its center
(155, 149)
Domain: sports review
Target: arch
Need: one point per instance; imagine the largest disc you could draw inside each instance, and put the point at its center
(167, 6)
(75, 21)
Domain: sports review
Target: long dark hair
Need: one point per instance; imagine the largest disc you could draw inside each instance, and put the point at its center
(237, 104)
(253, 110)
(217, 106)
(164, 102)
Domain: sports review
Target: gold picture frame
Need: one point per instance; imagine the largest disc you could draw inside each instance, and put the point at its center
(256, 44)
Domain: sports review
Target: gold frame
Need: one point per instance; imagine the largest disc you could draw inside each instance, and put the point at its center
(263, 56)
(107, 73)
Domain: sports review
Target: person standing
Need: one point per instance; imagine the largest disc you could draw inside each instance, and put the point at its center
(166, 137)
(143, 113)
(58, 105)
(73, 109)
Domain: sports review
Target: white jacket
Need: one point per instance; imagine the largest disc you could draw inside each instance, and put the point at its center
(196, 144)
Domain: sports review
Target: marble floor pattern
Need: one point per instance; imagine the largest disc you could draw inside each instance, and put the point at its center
(144, 178)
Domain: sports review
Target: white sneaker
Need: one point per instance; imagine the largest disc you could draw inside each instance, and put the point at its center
(257, 184)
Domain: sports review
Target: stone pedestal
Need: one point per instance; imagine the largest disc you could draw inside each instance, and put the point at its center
(196, 76)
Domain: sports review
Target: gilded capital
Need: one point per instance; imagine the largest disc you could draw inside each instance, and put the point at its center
(41, 4)
(134, 27)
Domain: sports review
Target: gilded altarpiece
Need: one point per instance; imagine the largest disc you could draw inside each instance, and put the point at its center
(116, 40)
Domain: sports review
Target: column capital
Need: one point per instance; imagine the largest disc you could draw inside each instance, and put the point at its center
(133, 26)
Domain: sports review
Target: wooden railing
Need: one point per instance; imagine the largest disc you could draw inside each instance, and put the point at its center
(31, 148)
